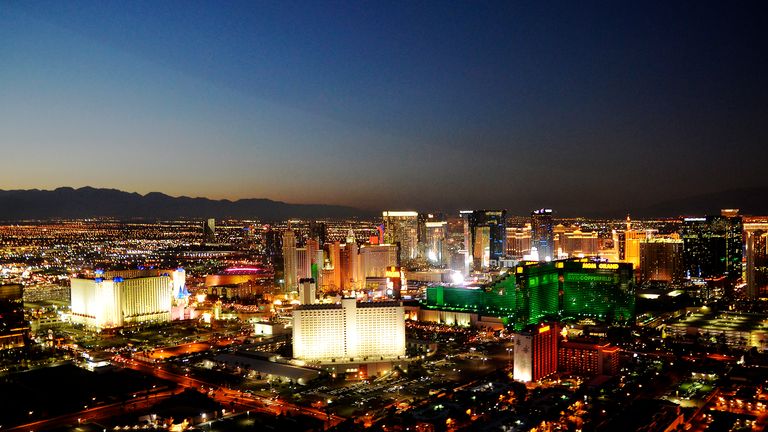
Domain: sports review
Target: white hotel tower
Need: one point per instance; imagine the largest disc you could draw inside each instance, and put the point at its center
(120, 298)
(349, 332)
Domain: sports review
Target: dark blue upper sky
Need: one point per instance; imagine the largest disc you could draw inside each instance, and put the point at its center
(415, 104)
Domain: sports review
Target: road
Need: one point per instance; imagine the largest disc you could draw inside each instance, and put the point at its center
(234, 399)
(231, 399)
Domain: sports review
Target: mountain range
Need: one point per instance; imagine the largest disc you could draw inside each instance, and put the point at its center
(87, 202)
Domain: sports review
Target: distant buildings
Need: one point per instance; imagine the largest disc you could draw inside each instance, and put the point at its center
(487, 237)
(13, 326)
(349, 332)
(519, 241)
(289, 259)
(756, 272)
(374, 259)
(435, 238)
(572, 242)
(402, 228)
(712, 246)
(542, 234)
(209, 231)
(661, 260)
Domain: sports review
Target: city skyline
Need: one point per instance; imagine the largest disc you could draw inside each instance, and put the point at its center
(453, 106)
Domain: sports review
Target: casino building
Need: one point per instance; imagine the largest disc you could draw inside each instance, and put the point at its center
(122, 298)
(349, 332)
(536, 291)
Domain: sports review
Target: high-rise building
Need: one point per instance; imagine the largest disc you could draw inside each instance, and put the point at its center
(487, 237)
(542, 234)
(374, 259)
(13, 327)
(334, 258)
(209, 230)
(349, 332)
(273, 245)
(303, 263)
(402, 228)
(572, 242)
(436, 233)
(536, 352)
(519, 241)
(290, 262)
(350, 264)
(712, 246)
(756, 273)
(116, 299)
(307, 291)
(627, 243)
(661, 260)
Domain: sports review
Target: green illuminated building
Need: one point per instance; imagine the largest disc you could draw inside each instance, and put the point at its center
(532, 293)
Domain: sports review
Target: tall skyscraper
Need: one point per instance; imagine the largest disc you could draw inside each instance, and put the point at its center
(756, 273)
(661, 260)
(519, 241)
(350, 264)
(209, 230)
(402, 228)
(488, 237)
(712, 245)
(334, 258)
(542, 234)
(289, 259)
(436, 233)
(536, 352)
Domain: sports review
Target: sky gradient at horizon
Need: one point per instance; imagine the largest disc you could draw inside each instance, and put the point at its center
(376, 104)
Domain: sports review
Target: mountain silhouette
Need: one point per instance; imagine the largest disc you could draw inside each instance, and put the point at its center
(86, 202)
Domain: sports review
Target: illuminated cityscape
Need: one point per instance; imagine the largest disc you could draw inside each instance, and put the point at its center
(386, 217)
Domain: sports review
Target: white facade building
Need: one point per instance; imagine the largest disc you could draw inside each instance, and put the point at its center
(349, 332)
(116, 301)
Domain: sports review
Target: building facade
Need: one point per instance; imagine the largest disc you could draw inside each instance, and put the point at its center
(349, 332)
(542, 234)
(109, 301)
(535, 352)
(661, 260)
(290, 260)
(535, 292)
(487, 237)
(588, 358)
(712, 246)
(402, 228)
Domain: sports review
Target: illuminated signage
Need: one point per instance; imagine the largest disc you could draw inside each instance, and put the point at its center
(589, 265)
(544, 329)
(612, 266)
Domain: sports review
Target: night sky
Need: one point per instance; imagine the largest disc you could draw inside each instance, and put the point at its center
(575, 105)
